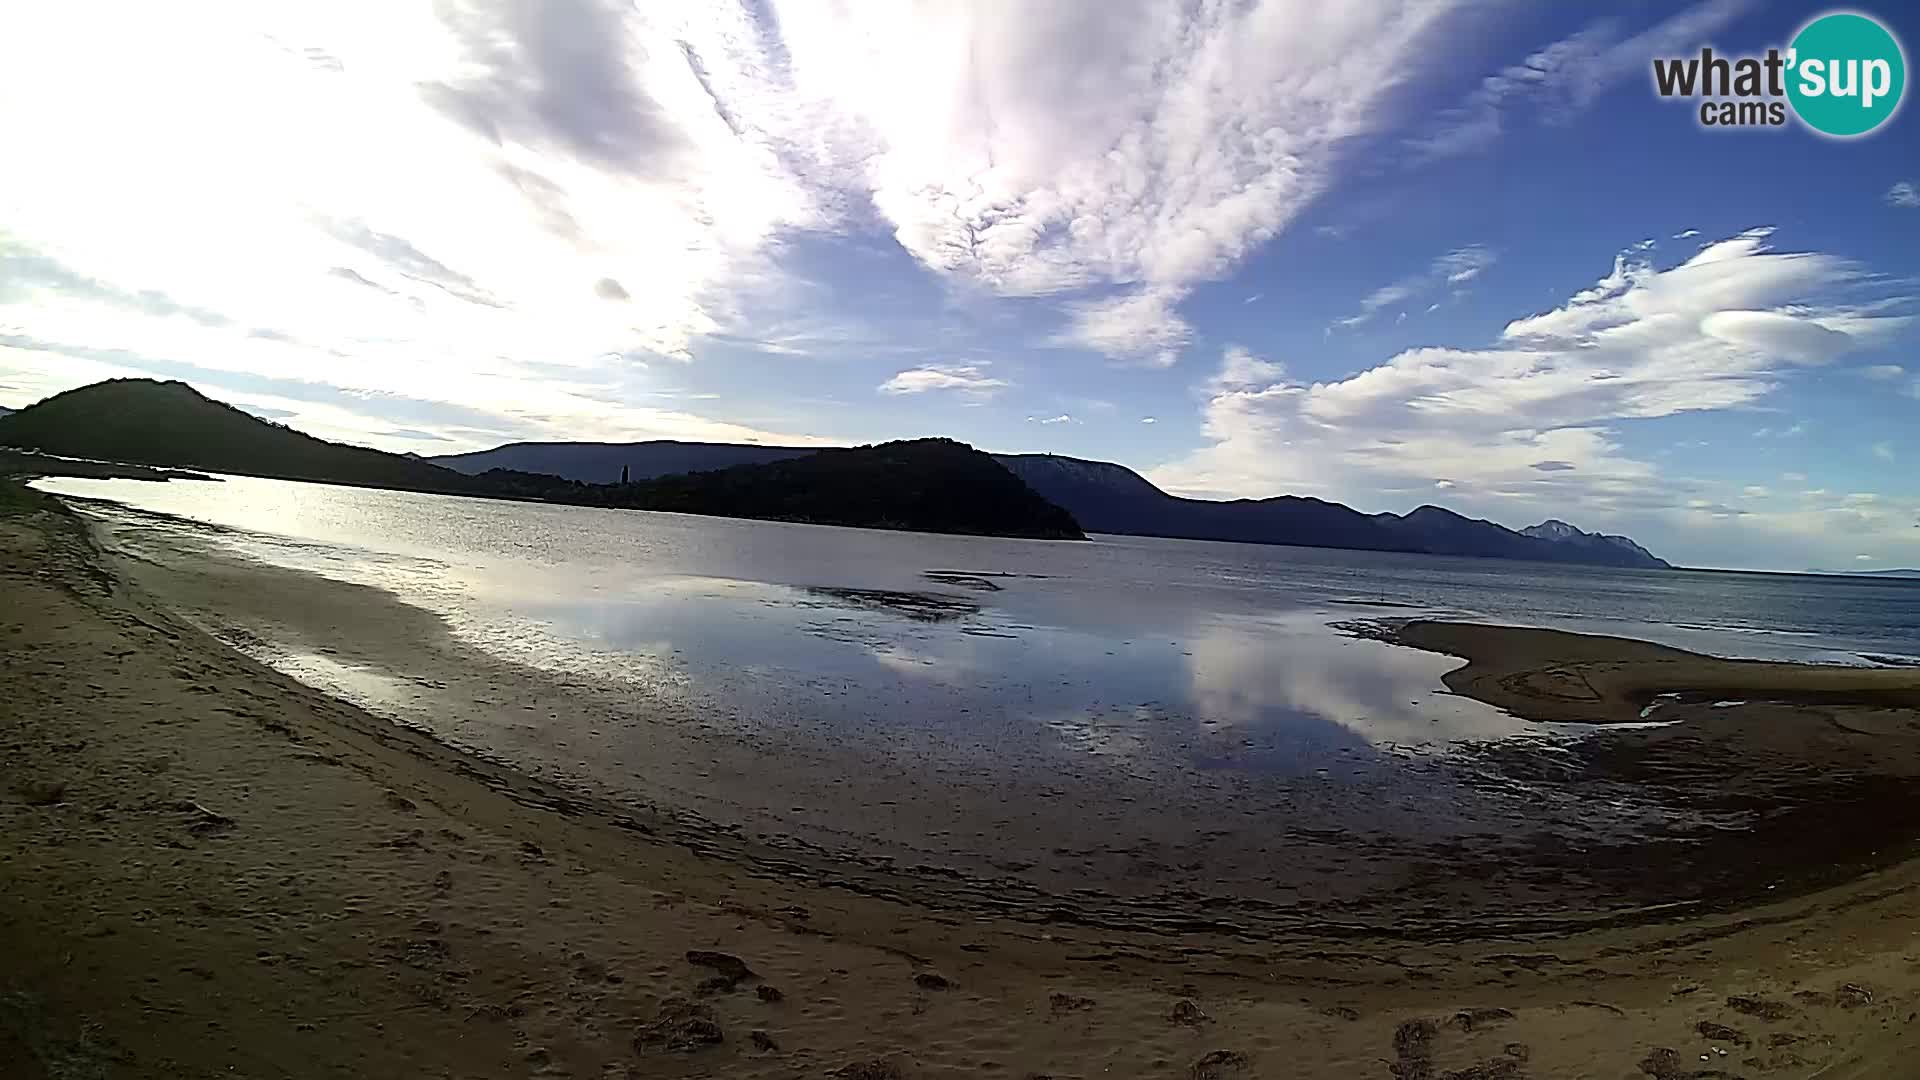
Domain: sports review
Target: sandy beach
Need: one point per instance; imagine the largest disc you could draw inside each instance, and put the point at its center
(212, 869)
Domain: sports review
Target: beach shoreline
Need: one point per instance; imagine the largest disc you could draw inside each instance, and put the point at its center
(237, 871)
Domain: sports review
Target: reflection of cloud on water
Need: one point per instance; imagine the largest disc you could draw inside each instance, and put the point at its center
(1249, 672)
(953, 667)
(371, 689)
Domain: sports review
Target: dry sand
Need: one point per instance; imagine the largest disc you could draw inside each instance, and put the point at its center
(210, 869)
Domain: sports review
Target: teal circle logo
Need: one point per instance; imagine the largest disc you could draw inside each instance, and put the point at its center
(1846, 74)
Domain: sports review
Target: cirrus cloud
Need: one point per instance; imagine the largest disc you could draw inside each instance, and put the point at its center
(1450, 271)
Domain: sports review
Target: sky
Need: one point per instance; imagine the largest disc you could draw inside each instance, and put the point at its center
(1387, 253)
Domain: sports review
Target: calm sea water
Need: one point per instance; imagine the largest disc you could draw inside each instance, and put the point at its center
(960, 631)
(1148, 720)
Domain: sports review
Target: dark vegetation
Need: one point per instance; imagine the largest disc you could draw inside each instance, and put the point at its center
(931, 485)
(1108, 498)
(143, 422)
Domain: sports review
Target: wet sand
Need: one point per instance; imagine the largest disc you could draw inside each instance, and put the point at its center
(1560, 676)
(211, 868)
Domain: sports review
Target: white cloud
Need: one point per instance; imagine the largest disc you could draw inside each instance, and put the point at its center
(1686, 234)
(1370, 305)
(1558, 82)
(519, 207)
(1787, 336)
(1450, 271)
(1141, 326)
(1148, 420)
(1045, 149)
(964, 378)
(1883, 451)
(1883, 372)
(1240, 370)
(1527, 426)
(1904, 195)
(509, 210)
(1061, 419)
(1463, 265)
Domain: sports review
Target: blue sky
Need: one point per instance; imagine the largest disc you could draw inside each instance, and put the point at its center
(1392, 253)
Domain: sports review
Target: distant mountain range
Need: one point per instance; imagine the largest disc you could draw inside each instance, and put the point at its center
(934, 485)
(931, 485)
(602, 463)
(1109, 498)
(926, 485)
(1560, 532)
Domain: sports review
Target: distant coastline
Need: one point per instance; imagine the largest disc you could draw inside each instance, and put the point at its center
(929, 485)
(1105, 497)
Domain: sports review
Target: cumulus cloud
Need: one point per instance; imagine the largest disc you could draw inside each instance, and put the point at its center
(1558, 82)
(1450, 271)
(1883, 372)
(1063, 418)
(963, 378)
(1241, 370)
(1142, 327)
(1904, 195)
(1528, 424)
(1883, 451)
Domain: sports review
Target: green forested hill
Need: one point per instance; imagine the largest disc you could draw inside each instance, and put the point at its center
(931, 485)
(170, 423)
